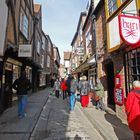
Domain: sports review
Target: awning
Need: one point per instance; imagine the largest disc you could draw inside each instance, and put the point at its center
(85, 65)
(92, 60)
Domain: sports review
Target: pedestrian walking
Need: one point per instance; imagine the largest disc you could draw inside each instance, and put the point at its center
(73, 88)
(63, 87)
(99, 91)
(84, 87)
(22, 85)
(52, 82)
(132, 107)
(57, 88)
(68, 84)
(92, 88)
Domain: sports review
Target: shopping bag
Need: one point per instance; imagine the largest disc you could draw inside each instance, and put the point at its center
(95, 97)
(52, 93)
(84, 100)
(91, 95)
(78, 97)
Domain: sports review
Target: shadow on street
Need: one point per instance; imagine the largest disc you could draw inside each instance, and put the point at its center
(118, 125)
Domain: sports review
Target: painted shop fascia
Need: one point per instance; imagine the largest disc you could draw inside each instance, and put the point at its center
(124, 50)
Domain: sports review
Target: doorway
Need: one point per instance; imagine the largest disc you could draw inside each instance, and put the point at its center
(110, 85)
(8, 89)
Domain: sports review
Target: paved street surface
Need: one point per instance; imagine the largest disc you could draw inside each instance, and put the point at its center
(49, 118)
(58, 123)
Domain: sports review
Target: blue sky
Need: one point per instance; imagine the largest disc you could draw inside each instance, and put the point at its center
(60, 19)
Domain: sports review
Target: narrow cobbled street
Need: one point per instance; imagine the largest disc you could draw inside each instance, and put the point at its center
(49, 118)
(58, 123)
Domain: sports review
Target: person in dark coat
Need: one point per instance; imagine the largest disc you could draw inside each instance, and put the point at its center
(68, 84)
(52, 82)
(22, 85)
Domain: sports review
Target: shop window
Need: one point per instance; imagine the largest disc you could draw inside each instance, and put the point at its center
(132, 67)
(112, 6)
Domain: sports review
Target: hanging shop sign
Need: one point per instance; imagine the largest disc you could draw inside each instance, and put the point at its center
(129, 29)
(25, 50)
(118, 80)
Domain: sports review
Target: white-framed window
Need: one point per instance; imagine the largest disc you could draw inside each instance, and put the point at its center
(38, 47)
(88, 39)
(48, 61)
(43, 42)
(42, 61)
(80, 50)
(88, 6)
(49, 47)
(24, 23)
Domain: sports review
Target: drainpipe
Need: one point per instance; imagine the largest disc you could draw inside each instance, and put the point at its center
(95, 43)
(34, 57)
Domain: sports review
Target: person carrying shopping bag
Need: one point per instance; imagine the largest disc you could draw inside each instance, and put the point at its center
(84, 87)
(99, 94)
(73, 88)
(22, 85)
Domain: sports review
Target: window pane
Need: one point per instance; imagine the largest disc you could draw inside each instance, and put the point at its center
(122, 1)
(25, 26)
(132, 67)
(112, 6)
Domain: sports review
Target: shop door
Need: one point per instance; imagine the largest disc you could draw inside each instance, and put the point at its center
(8, 89)
(110, 83)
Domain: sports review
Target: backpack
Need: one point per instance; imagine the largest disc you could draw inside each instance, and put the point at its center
(133, 112)
(85, 87)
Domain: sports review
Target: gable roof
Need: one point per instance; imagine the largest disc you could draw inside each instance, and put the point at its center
(67, 55)
(37, 8)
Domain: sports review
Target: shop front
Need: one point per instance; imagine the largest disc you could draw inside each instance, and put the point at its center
(11, 66)
(12, 72)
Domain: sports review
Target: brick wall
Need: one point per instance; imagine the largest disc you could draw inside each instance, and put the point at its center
(119, 68)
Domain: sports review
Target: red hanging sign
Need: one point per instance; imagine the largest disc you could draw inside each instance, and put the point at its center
(118, 80)
(129, 29)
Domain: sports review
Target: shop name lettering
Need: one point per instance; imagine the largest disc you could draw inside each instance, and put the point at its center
(25, 51)
(130, 28)
(129, 25)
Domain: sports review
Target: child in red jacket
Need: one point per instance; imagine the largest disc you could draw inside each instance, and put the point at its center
(63, 87)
